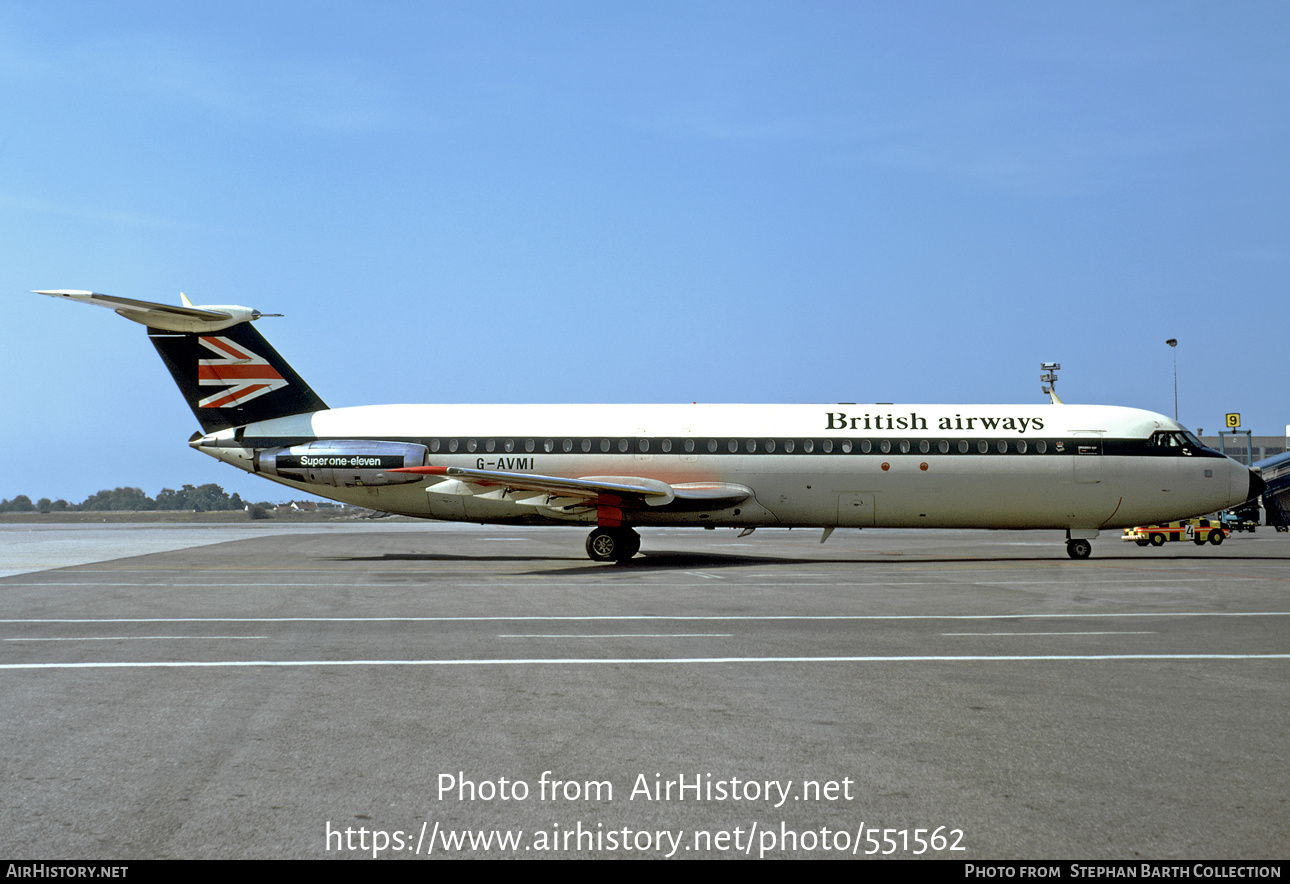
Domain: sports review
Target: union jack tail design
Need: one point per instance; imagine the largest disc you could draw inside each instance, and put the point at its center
(233, 378)
(242, 373)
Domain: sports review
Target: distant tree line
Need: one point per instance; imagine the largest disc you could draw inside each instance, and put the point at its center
(200, 498)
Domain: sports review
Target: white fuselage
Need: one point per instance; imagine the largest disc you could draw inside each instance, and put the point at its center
(1081, 468)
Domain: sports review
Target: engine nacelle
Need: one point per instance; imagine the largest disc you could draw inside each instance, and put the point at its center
(343, 462)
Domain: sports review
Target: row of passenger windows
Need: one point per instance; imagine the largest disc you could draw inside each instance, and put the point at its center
(641, 445)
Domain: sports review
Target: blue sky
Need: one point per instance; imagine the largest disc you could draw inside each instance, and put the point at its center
(654, 202)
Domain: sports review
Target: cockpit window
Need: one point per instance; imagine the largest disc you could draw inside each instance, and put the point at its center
(1176, 442)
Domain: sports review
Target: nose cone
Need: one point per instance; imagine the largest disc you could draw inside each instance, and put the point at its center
(1257, 485)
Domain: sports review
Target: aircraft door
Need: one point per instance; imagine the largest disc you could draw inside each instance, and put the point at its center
(1087, 463)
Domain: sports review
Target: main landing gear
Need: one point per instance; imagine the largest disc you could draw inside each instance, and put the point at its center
(613, 544)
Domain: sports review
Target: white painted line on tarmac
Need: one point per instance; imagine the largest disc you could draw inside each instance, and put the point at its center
(653, 617)
(94, 584)
(584, 661)
(771, 582)
(625, 635)
(130, 638)
(1043, 633)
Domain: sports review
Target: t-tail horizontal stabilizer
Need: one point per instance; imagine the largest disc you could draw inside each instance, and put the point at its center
(226, 370)
(166, 316)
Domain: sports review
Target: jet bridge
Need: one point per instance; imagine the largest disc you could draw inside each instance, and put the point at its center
(1276, 499)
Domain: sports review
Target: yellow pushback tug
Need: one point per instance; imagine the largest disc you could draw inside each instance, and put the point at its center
(1196, 530)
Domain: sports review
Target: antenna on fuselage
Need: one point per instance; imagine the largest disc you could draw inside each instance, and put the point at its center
(1049, 380)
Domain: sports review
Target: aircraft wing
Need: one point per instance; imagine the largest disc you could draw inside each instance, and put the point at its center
(559, 491)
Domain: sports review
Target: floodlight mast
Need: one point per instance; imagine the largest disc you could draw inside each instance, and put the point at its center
(1049, 380)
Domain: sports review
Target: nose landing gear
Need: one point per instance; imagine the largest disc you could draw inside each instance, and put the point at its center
(1079, 549)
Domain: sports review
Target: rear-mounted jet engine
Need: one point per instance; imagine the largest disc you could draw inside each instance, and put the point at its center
(343, 463)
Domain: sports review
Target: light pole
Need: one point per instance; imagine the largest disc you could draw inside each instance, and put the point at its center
(1048, 380)
(1173, 345)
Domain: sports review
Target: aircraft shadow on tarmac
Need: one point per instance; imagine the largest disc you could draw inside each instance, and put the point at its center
(654, 560)
(675, 560)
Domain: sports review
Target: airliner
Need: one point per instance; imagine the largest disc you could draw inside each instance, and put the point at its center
(1081, 469)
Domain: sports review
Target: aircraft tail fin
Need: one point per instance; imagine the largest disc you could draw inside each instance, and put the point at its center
(233, 377)
(226, 370)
